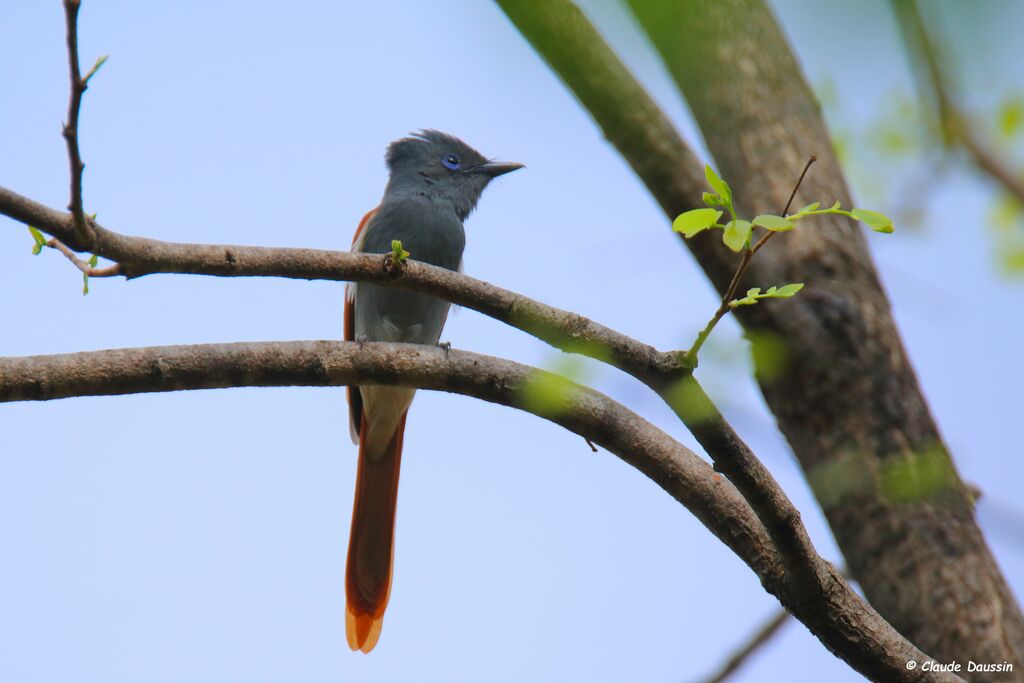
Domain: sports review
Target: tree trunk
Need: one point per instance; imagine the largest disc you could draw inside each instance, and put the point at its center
(847, 399)
(846, 396)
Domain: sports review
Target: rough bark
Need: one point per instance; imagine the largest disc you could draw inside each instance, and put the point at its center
(922, 562)
(847, 398)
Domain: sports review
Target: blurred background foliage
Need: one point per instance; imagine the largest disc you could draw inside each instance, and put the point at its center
(908, 146)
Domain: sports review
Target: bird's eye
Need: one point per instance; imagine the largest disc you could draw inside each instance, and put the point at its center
(451, 161)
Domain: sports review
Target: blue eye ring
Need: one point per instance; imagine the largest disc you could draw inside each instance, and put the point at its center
(451, 162)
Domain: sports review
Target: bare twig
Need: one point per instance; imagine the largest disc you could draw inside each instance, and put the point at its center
(740, 656)
(730, 291)
(91, 271)
(82, 234)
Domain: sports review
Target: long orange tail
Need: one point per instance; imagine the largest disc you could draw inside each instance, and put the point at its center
(371, 546)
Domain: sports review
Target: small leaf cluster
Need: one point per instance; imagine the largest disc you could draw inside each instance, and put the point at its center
(398, 254)
(737, 232)
(755, 294)
(40, 241)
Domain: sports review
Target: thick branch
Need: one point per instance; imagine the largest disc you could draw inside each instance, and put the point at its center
(138, 256)
(828, 606)
(846, 396)
(331, 363)
(663, 372)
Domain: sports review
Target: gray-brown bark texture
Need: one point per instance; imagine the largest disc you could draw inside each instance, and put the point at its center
(848, 400)
(846, 396)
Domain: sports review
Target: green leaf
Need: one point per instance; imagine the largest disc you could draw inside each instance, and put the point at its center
(785, 291)
(85, 284)
(719, 185)
(95, 67)
(39, 238)
(1011, 118)
(755, 294)
(773, 223)
(398, 254)
(737, 234)
(879, 222)
(810, 207)
(691, 222)
(835, 206)
(748, 300)
(93, 260)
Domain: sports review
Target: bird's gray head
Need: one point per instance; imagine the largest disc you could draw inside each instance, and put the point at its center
(443, 168)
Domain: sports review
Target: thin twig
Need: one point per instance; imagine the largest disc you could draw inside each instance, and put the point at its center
(740, 656)
(83, 231)
(107, 271)
(730, 291)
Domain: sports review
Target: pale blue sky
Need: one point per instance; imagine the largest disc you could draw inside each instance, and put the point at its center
(201, 536)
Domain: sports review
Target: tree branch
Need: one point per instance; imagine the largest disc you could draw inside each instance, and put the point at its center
(139, 256)
(845, 395)
(805, 572)
(828, 606)
(332, 363)
(762, 636)
(953, 124)
(91, 271)
(663, 372)
(82, 232)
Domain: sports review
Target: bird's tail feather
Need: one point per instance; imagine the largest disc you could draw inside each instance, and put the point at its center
(371, 544)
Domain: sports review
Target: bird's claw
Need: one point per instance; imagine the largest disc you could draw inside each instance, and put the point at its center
(361, 339)
(447, 346)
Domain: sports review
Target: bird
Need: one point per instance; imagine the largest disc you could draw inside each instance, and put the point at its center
(435, 181)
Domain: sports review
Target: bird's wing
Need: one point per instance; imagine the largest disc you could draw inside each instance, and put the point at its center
(355, 399)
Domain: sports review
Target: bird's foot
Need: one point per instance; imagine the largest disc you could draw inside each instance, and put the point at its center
(361, 339)
(447, 346)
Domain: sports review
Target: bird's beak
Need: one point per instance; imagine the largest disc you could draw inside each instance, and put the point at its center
(493, 169)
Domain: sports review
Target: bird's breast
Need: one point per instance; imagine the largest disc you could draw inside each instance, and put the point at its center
(430, 234)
